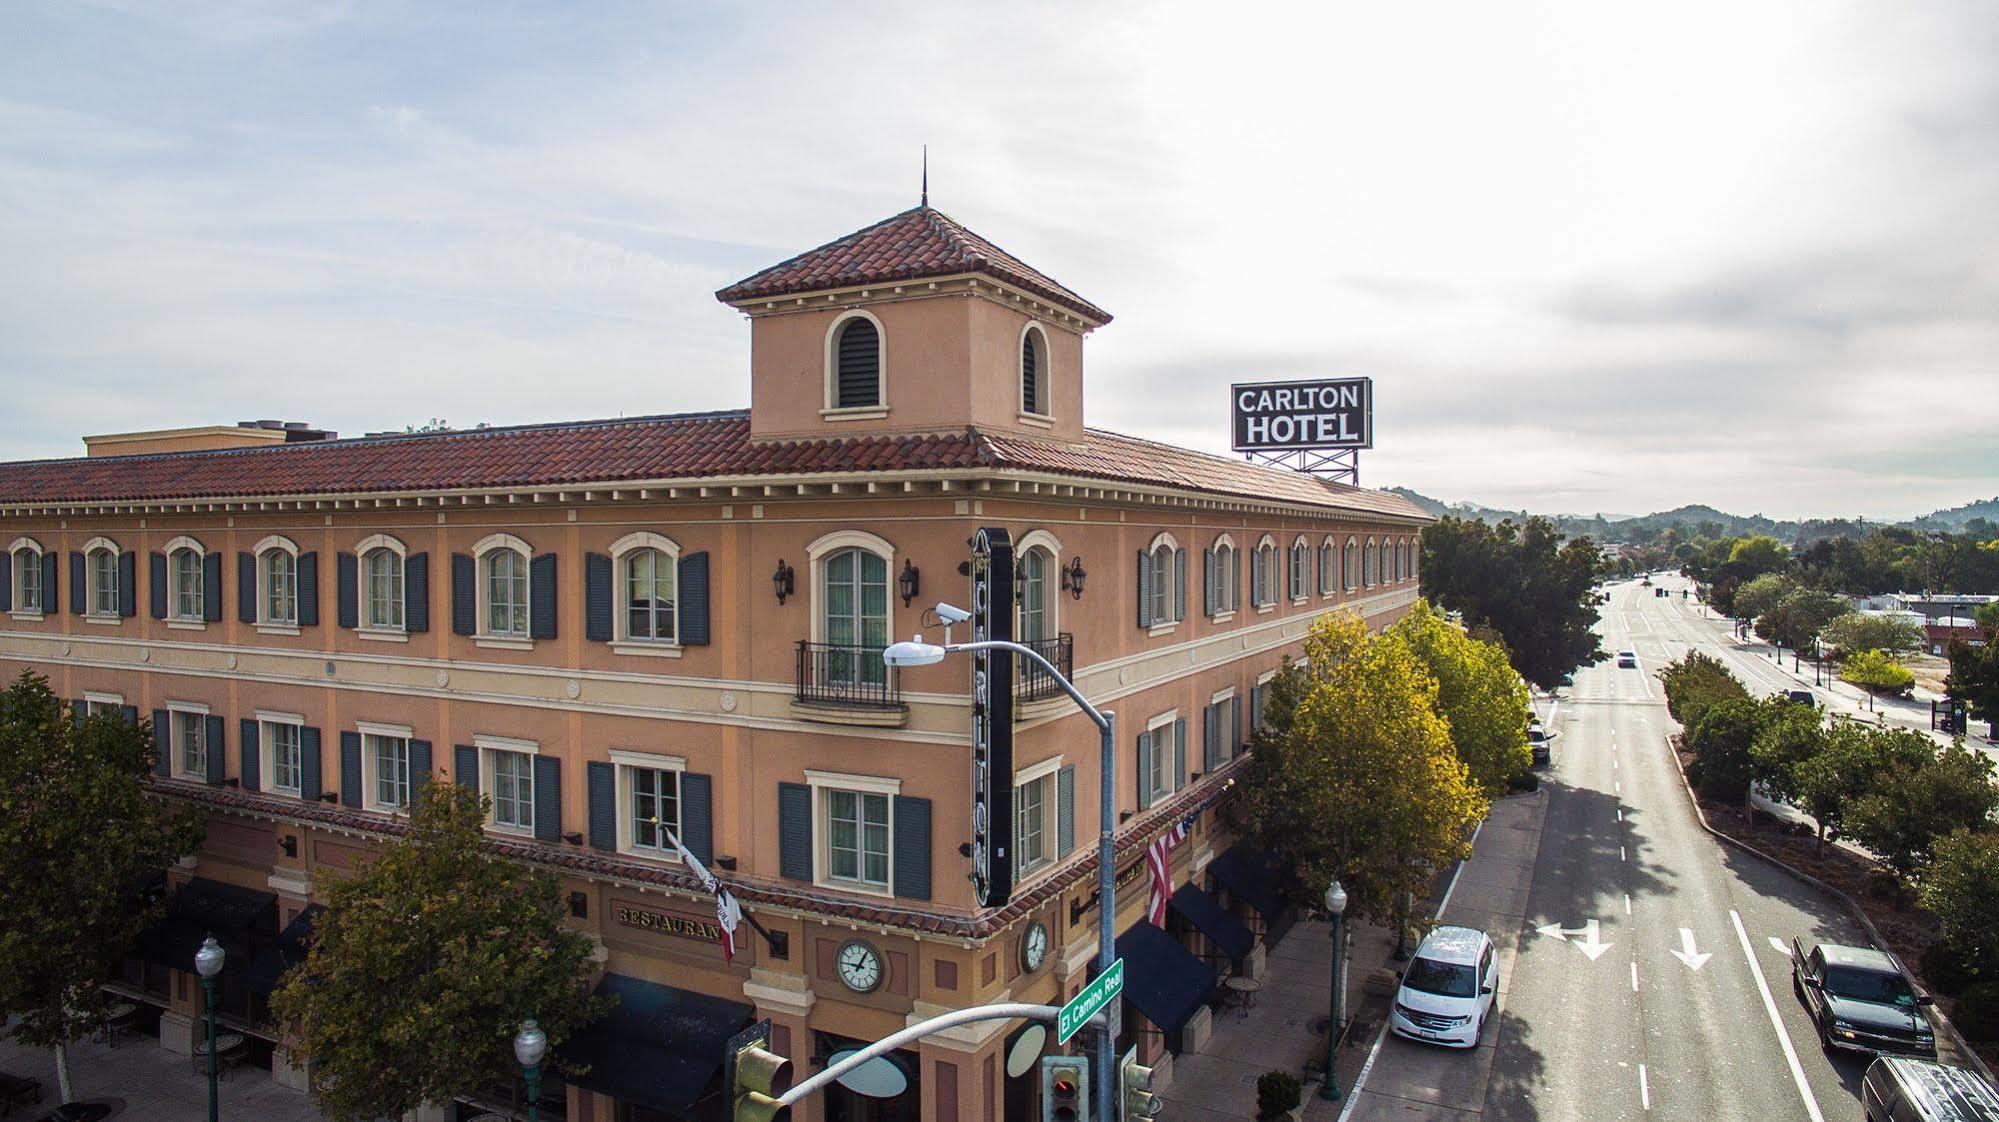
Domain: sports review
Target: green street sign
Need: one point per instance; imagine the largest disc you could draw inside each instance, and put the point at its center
(1086, 1004)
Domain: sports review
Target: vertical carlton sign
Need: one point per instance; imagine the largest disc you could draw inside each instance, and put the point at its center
(992, 719)
(1299, 416)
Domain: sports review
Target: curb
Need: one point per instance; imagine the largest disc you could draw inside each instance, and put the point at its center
(1852, 906)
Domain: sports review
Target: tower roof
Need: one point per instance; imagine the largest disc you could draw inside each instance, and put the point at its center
(918, 243)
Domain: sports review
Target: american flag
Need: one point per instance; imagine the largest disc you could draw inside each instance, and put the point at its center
(1159, 856)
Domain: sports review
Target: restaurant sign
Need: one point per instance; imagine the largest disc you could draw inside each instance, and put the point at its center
(668, 923)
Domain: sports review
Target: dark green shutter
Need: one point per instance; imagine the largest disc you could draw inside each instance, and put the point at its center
(79, 592)
(163, 740)
(465, 762)
(548, 798)
(693, 605)
(346, 590)
(1211, 736)
(541, 597)
(1235, 726)
(420, 765)
(350, 769)
(416, 593)
(1208, 582)
(308, 590)
(1179, 584)
(597, 598)
(464, 595)
(794, 831)
(246, 588)
(250, 767)
(912, 848)
(1144, 589)
(308, 763)
(1179, 754)
(697, 816)
(214, 754)
(1145, 750)
(603, 805)
(130, 713)
(6, 582)
(50, 600)
(211, 587)
(1065, 810)
(156, 568)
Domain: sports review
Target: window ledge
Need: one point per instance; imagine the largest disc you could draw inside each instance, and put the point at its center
(853, 886)
(500, 643)
(855, 413)
(525, 833)
(187, 625)
(649, 650)
(1299, 601)
(1222, 617)
(1265, 609)
(27, 615)
(1163, 628)
(1043, 708)
(277, 629)
(1037, 420)
(658, 855)
(381, 635)
(105, 621)
(836, 714)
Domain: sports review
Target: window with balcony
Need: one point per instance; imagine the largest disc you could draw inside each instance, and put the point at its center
(843, 663)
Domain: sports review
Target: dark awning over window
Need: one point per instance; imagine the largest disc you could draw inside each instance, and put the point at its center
(1161, 977)
(659, 1046)
(201, 908)
(1227, 932)
(1249, 875)
(272, 962)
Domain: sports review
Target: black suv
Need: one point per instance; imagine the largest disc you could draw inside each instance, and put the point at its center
(1860, 1001)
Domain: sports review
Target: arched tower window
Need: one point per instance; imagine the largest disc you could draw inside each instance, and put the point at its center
(857, 380)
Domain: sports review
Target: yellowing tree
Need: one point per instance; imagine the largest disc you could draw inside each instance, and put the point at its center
(1478, 693)
(1355, 775)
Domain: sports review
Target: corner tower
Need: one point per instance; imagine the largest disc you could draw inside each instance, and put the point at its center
(912, 325)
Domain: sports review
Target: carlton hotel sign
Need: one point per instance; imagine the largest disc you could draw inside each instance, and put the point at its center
(1295, 416)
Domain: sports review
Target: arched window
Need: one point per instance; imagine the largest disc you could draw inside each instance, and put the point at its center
(1401, 561)
(651, 596)
(503, 585)
(1298, 561)
(100, 574)
(856, 363)
(1328, 567)
(27, 590)
(1223, 577)
(1370, 565)
(1034, 372)
(1031, 594)
(1162, 583)
(1350, 565)
(854, 615)
(184, 579)
(1262, 573)
(1415, 557)
(277, 582)
(382, 576)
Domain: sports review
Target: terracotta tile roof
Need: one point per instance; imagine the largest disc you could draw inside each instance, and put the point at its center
(628, 450)
(909, 246)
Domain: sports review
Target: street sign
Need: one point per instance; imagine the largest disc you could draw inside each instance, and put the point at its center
(1086, 1004)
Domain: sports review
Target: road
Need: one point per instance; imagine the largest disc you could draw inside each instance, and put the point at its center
(1652, 978)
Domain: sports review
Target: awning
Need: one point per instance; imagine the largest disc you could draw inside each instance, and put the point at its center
(1248, 874)
(1161, 977)
(272, 962)
(1201, 910)
(201, 908)
(659, 1046)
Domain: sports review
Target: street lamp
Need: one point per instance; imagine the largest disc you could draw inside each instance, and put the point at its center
(916, 652)
(530, 1045)
(1336, 906)
(208, 963)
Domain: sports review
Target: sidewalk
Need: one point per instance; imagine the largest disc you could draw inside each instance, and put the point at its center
(152, 1083)
(1219, 1081)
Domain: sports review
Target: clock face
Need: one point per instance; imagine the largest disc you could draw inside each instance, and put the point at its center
(1034, 948)
(860, 966)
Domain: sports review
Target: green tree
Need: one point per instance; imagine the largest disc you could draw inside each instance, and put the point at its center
(1853, 761)
(1790, 737)
(1796, 620)
(1904, 814)
(424, 965)
(1986, 616)
(1874, 671)
(1860, 631)
(1696, 682)
(1720, 742)
(1762, 593)
(1961, 890)
(78, 836)
(1974, 677)
(1758, 554)
(1525, 583)
(1478, 693)
(1354, 774)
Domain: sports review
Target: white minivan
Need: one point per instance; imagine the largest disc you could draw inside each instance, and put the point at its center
(1447, 992)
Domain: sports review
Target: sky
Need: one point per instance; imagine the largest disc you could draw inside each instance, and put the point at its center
(1596, 257)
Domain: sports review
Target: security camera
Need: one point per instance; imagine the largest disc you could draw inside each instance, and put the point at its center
(951, 615)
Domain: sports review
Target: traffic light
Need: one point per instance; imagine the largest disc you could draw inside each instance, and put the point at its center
(1065, 1089)
(1136, 1081)
(756, 1077)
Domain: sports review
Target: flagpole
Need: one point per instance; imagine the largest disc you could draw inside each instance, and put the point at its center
(778, 941)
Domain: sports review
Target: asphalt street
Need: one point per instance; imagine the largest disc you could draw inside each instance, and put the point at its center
(1653, 973)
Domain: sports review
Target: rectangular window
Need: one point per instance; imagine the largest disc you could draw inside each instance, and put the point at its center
(1031, 801)
(189, 745)
(857, 838)
(655, 804)
(281, 745)
(28, 574)
(513, 788)
(280, 587)
(389, 757)
(103, 583)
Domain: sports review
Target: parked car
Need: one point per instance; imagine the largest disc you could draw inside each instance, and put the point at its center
(1538, 742)
(1627, 660)
(79, 1112)
(1861, 1001)
(1898, 1089)
(1446, 994)
(1802, 697)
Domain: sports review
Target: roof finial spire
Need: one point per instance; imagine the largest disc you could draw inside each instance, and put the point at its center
(926, 175)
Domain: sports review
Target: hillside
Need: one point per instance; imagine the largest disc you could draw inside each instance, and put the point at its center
(1699, 519)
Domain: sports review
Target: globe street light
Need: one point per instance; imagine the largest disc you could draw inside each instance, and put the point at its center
(1336, 906)
(530, 1045)
(208, 963)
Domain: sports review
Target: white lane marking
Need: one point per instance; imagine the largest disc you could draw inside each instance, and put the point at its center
(1620, 814)
(1613, 763)
(1620, 853)
(1693, 956)
(1776, 1022)
(1783, 948)
(1644, 1089)
(1634, 977)
(1627, 903)
(1619, 784)
(1453, 886)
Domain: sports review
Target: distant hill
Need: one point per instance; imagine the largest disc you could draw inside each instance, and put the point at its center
(1699, 519)
(1956, 517)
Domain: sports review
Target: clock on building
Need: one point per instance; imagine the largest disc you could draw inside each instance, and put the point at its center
(860, 966)
(1034, 947)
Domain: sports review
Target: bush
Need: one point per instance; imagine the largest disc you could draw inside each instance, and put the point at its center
(1722, 766)
(1961, 889)
(1696, 683)
(1277, 1092)
(1946, 969)
(1525, 781)
(1977, 1012)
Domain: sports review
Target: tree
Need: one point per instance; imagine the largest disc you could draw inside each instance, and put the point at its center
(1902, 817)
(1478, 693)
(1859, 631)
(1796, 620)
(79, 835)
(1762, 593)
(1354, 775)
(424, 965)
(1986, 616)
(1696, 682)
(1874, 671)
(1758, 554)
(1974, 677)
(1720, 742)
(1523, 582)
(1851, 764)
(1962, 891)
(1791, 736)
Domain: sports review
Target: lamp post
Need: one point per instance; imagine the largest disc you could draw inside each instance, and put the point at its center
(919, 653)
(1336, 905)
(530, 1045)
(208, 963)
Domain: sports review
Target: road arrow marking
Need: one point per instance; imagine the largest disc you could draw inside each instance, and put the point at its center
(1783, 948)
(1693, 958)
(1588, 937)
